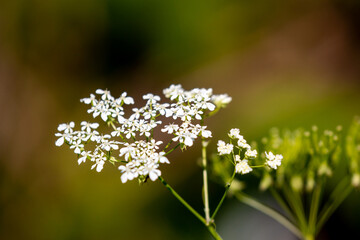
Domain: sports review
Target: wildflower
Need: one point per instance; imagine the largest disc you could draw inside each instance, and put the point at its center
(66, 128)
(224, 148)
(127, 173)
(86, 126)
(221, 100)
(250, 154)
(124, 99)
(243, 167)
(272, 160)
(84, 156)
(234, 133)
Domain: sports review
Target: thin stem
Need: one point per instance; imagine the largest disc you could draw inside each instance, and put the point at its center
(192, 210)
(210, 227)
(205, 182)
(295, 202)
(168, 145)
(224, 196)
(268, 211)
(329, 208)
(281, 202)
(314, 208)
(172, 149)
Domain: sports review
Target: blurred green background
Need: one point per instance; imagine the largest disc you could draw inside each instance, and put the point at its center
(285, 63)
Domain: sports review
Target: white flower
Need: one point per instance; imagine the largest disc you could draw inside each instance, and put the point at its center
(99, 160)
(234, 133)
(242, 142)
(170, 128)
(77, 145)
(173, 91)
(221, 100)
(137, 113)
(224, 148)
(272, 160)
(151, 98)
(66, 127)
(62, 138)
(243, 167)
(162, 158)
(127, 173)
(88, 126)
(89, 100)
(117, 113)
(250, 154)
(152, 171)
(128, 150)
(185, 137)
(84, 156)
(105, 94)
(125, 99)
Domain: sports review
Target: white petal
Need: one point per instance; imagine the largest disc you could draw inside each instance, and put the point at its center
(188, 141)
(153, 176)
(104, 116)
(99, 91)
(100, 166)
(59, 142)
(62, 127)
(124, 177)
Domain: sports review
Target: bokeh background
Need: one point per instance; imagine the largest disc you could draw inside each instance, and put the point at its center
(286, 64)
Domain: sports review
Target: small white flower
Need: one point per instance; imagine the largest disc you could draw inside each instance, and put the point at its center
(105, 94)
(243, 167)
(152, 171)
(88, 126)
(77, 145)
(242, 142)
(224, 148)
(250, 154)
(170, 128)
(125, 99)
(272, 160)
(89, 100)
(221, 100)
(84, 156)
(128, 151)
(234, 133)
(127, 173)
(66, 127)
(205, 133)
(62, 138)
(151, 98)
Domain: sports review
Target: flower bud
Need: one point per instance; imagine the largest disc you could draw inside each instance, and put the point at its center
(310, 182)
(297, 183)
(355, 180)
(265, 182)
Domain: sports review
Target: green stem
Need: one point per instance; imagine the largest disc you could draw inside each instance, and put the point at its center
(314, 208)
(293, 198)
(205, 182)
(329, 208)
(209, 227)
(268, 211)
(281, 202)
(172, 149)
(192, 210)
(228, 185)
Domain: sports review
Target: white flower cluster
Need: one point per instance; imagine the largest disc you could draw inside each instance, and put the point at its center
(272, 160)
(242, 148)
(132, 136)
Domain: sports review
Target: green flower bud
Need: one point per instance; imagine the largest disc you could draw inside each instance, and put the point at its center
(296, 183)
(265, 182)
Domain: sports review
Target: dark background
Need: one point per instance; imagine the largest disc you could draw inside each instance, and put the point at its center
(285, 63)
